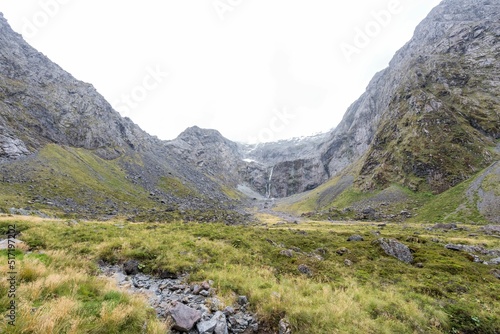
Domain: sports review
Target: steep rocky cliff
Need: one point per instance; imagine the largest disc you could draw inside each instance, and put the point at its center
(429, 119)
(423, 139)
(443, 116)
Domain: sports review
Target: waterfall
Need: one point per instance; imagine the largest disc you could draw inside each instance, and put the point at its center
(268, 186)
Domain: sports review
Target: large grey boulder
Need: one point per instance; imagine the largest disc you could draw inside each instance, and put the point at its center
(184, 317)
(396, 249)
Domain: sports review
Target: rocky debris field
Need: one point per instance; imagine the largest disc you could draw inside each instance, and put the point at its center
(192, 308)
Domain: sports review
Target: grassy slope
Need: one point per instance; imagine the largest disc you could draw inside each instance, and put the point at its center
(449, 206)
(93, 184)
(377, 294)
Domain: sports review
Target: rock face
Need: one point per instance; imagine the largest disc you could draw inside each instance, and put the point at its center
(209, 151)
(40, 103)
(439, 112)
(485, 190)
(286, 167)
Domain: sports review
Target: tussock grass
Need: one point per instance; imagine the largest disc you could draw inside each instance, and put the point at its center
(376, 294)
(58, 293)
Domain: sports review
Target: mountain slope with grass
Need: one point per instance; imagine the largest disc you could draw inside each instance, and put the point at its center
(63, 149)
(425, 125)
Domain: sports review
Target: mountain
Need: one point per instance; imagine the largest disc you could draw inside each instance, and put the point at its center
(425, 133)
(428, 122)
(62, 147)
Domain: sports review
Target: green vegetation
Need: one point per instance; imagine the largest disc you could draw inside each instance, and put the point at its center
(61, 173)
(457, 204)
(375, 294)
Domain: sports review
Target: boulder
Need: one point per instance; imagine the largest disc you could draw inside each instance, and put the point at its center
(207, 327)
(131, 267)
(242, 300)
(342, 251)
(304, 269)
(184, 317)
(355, 237)
(443, 226)
(396, 249)
(287, 252)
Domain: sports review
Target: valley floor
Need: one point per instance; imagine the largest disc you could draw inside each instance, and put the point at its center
(305, 272)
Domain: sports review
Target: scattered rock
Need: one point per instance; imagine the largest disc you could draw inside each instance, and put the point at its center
(443, 226)
(184, 317)
(342, 251)
(284, 327)
(473, 249)
(205, 286)
(321, 251)
(164, 274)
(221, 326)
(131, 267)
(368, 213)
(491, 229)
(305, 269)
(419, 265)
(174, 297)
(348, 262)
(396, 249)
(316, 257)
(242, 300)
(405, 214)
(474, 258)
(494, 261)
(355, 237)
(205, 327)
(496, 273)
(287, 252)
(196, 289)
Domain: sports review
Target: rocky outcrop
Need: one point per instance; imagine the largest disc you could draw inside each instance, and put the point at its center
(40, 103)
(210, 152)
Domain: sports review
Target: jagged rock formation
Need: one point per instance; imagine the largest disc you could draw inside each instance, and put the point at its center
(209, 151)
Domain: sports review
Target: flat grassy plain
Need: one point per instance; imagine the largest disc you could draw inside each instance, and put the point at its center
(60, 290)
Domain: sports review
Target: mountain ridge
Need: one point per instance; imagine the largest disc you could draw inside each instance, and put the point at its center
(438, 95)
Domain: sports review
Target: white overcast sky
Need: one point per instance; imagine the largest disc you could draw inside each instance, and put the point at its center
(256, 70)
